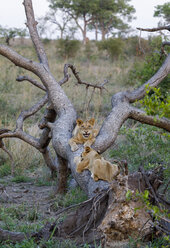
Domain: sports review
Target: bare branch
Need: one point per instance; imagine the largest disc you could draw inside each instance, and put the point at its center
(79, 81)
(155, 29)
(23, 136)
(140, 92)
(31, 24)
(140, 115)
(4, 130)
(27, 113)
(31, 80)
(19, 60)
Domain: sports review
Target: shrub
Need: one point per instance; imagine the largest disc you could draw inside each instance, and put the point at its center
(142, 145)
(67, 48)
(141, 72)
(113, 46)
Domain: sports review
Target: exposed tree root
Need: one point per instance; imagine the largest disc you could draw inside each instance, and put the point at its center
(108, 217)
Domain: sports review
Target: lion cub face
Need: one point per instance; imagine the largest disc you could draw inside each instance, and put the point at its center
(86, 128)
(89, 153)
(84, 133)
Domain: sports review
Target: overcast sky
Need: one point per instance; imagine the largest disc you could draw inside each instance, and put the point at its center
(12, 12)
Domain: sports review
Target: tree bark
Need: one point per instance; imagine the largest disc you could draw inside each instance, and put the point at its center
(61, 128)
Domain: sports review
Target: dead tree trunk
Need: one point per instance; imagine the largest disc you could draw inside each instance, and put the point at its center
(58, 127)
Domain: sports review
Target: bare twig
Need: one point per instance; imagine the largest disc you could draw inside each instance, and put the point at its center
(31, 80)
(140, 46)
(79, 81)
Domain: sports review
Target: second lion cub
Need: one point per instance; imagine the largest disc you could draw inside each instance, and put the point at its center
(99, 167)
(84, 133)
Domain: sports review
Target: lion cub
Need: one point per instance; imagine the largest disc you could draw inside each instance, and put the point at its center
(99, 167)
(84, 133)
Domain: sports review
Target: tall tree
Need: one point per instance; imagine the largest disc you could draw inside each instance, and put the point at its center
(10, 33)
(109, 15)
(78, 10)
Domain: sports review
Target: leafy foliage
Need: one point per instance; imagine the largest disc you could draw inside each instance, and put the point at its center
(67, 48)
(142, 144)
(113, 46)
(154, 104)
(163, 11)
(105, 15)
(141, 72)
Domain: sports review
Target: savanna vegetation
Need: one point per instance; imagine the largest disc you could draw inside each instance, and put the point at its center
(28, 200)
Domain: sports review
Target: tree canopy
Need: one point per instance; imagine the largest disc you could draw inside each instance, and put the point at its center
(104, 16)
(163, 11)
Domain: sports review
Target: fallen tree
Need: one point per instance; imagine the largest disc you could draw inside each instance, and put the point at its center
(60, 116)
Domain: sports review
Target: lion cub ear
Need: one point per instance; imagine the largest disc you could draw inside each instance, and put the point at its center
(92, 121)
(87, 149)
(79, 122)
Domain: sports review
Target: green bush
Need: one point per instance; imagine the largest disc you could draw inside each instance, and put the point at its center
(132, 46)
(113, 46)
(67, 48)
(143, 71)
(142, 145)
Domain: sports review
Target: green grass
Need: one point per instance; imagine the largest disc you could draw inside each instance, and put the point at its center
(43, 181)
(73, 196)
(21, 179)
(5, 170)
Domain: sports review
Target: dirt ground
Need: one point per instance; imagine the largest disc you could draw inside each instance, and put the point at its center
(28, 196)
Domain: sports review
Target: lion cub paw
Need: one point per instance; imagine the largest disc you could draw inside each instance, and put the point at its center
(88, 143)
(74, 148)
(77, 160)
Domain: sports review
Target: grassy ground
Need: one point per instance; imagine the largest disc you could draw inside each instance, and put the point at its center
(27, 202)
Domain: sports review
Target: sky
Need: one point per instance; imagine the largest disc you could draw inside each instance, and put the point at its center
(12, 12)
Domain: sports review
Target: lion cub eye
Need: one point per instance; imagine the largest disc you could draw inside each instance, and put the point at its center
(89, 126)
(82, 126)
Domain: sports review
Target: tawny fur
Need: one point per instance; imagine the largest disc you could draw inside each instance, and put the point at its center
(99, 167)
(84, 133)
